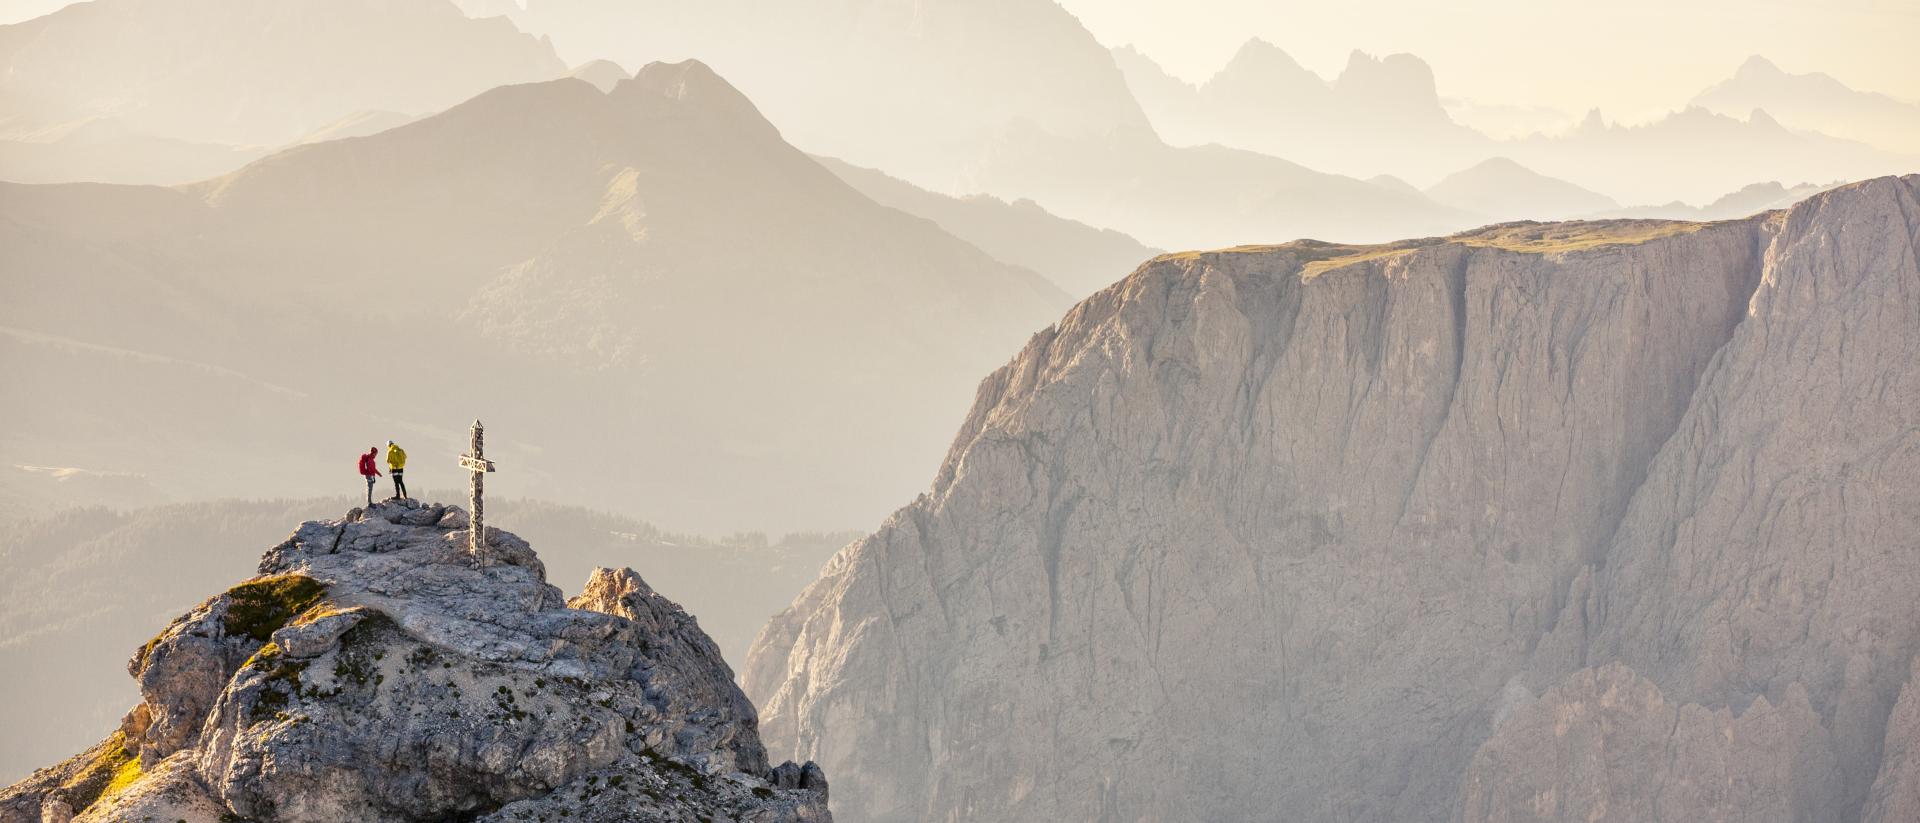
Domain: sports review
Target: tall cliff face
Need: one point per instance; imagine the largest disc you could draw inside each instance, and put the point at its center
(1351, 531)
(371, 673)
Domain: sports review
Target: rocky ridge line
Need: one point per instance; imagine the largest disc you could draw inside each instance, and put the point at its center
(372, 673)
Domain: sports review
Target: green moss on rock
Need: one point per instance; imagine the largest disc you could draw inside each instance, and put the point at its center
(113, 767)
(258, 608)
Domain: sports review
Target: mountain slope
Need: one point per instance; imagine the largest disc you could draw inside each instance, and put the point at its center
(1816, 101)
(1660, 161)
(104, 150)
(1203, 196)
(1385, 116)
(914, 88)
(1501, 189)
(1079, 258)
(739, 338)
(256, 72)
(1320, 528)
(1749, 200)
(375, 670)
(1011, 98)
(1380, 115)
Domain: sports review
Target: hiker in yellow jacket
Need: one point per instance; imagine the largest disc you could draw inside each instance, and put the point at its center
(397, 463)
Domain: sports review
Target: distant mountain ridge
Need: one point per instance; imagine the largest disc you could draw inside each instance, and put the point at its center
(1365, 121)
(1079, 258)
(1663, 160)
(176, 91)
(1816, 102)
(1503, 190)
(913, 88)
(260, 73)
(1010, 98)
(656, 259)
(1385, 116)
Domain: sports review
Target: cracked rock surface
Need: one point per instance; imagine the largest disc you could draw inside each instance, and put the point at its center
(373, 673)
(1336, 530)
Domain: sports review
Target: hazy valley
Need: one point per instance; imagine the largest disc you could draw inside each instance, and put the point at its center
(1001, 410)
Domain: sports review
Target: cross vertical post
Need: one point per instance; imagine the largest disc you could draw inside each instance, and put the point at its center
(476, 461)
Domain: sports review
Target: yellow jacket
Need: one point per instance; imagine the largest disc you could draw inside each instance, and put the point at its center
(396, 457)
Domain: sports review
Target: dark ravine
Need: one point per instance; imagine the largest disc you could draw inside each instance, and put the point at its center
(373, 673)
(1399, 532)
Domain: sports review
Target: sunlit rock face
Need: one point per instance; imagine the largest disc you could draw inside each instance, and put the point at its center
(377, 671)
(1339, 533)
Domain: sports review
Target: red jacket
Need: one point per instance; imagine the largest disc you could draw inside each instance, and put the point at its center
(366, 466)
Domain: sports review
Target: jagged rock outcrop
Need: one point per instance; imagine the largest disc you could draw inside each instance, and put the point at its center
(1308, 527)
(372, 673)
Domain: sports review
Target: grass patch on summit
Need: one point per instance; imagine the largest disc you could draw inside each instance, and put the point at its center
(112, 769)
(1551, 238)
(258, 608)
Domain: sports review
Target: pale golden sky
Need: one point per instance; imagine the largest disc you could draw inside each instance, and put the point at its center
(1626, 56)
(1631, 58)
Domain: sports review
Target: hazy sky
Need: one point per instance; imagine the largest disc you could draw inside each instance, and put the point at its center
(1631, 58)
(1626, 56)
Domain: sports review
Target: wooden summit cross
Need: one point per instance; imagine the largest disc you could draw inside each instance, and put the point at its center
(477, 462)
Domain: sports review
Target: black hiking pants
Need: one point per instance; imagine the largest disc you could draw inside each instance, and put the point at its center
(399, 484)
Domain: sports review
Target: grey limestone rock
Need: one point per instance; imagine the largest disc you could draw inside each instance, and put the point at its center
(1294, 527)
(370, 673)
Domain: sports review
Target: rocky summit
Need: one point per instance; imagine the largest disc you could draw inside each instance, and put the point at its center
(373, 671)
(1600, 521)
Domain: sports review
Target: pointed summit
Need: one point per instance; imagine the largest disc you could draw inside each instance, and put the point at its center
(694, 88)
(1403, 78)
(1257, 53)
(1262, 70)
(1593, 123)
(1757, 67)
(1817, 102)
(603, 74)
(1502, 189)
(370, 673)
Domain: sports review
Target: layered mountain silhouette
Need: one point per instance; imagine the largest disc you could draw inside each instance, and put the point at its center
(1380, 115)
(1011, 98)
(732, 336)
(178, 81)
(1077, 257)
(105, 149)
(1541, 521)
(1500, 189)
(1818, 102)
(1202, 196)
(1383, 115)
(263, 72)
(1695, 155)
(1748, 200)
(913, 88)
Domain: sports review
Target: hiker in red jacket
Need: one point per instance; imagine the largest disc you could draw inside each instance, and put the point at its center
(369, 471)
